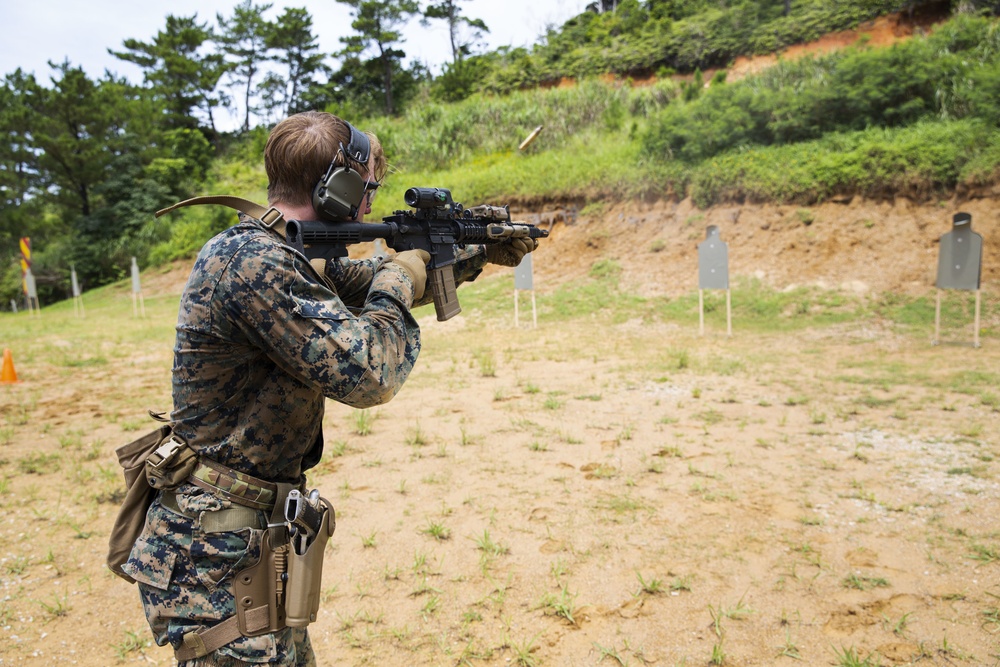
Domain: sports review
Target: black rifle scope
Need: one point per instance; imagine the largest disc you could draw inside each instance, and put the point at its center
(427, 197)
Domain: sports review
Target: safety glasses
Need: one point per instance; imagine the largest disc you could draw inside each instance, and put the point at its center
(371, 187)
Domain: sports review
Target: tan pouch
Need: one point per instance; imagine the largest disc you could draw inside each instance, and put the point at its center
(139, 495)
(170, 464)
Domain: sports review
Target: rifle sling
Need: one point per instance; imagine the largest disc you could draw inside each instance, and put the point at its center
(271, 217)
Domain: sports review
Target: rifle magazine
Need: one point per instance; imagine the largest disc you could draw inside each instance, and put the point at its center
(442, 282)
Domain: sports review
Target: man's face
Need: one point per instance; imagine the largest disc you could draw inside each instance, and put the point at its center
(371, 186)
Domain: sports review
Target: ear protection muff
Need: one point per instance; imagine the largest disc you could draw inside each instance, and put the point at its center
(338, 194)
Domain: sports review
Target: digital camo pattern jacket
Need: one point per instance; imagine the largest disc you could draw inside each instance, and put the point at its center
(261, 340)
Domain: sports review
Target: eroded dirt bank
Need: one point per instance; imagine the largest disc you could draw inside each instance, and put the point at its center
(864, 246)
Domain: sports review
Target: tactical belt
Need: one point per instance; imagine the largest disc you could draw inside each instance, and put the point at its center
(218, 521)
(175, 462)
(237, 487)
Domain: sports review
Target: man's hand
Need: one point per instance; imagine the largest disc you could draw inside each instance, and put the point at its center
(511, 252)
(414, 263)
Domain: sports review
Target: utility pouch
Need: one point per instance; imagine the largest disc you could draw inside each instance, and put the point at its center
(305, 560)
(170, 464)
(139, 495)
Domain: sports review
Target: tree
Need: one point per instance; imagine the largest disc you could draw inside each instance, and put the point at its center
(298, 51)
(20, 210)
(18, 173)
(356, 90)
(448, 11)
(123, 227)
(243, 39)
(175, 72)
(602, 6)
(75, 129)
(82, 134)
(377, 23)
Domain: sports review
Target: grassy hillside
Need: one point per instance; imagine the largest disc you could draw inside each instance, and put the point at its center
(918, 119)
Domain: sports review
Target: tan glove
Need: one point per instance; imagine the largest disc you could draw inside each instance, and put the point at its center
(414, 262)
(511, 252)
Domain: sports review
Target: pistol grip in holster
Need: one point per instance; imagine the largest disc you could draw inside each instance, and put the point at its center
(305, 573)
(442, 283)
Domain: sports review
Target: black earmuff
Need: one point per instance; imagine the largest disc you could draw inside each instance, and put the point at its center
(338, 194)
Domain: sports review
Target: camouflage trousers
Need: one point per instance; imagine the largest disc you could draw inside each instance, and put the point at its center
(185, 578)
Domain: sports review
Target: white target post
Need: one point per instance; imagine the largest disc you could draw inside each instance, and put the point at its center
(138, 303)
(32, 293)
(77, 296)
(713, 273)
(524, 280)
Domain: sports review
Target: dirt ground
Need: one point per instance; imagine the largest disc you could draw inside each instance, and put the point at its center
(587, 492)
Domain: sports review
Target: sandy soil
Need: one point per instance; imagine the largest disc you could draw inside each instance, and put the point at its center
(583, 493)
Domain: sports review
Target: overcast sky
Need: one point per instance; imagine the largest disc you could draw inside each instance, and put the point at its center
(37, 31)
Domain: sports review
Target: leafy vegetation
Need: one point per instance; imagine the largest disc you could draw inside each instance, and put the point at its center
(84, 163)
(667, 36)
(951, 74)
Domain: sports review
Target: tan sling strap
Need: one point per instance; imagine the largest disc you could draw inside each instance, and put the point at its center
(271, 217)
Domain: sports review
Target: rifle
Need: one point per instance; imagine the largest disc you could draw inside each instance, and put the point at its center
(436, 224)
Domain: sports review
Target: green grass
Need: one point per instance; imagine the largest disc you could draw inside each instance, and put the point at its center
(437, 531)
(488, 546)
(561, 604)
(756, 307)
(851, 657)
(649, 586)
(863, 583)
(506, 175)
(133, 642)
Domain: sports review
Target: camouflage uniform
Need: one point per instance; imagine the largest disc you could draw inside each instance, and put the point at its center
(261, 340)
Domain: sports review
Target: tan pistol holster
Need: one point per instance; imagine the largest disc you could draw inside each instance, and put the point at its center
(282, 589)
(305, 564)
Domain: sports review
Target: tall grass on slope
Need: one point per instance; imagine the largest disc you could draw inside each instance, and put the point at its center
(440, 136)
(589, 166)
(917, 161)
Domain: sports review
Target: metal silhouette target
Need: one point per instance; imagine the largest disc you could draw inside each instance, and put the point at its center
(713, 273)
(960, 267)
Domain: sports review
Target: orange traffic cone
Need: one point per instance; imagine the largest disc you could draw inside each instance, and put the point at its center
(8, 374)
